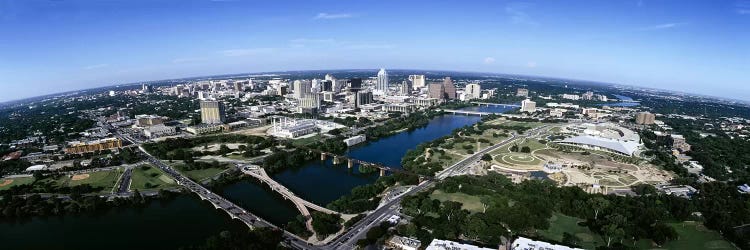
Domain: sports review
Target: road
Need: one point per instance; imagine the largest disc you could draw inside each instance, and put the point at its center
(349, 239)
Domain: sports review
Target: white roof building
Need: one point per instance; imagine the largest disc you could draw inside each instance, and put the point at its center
(528, 244)
(36, 168)
(450, 245)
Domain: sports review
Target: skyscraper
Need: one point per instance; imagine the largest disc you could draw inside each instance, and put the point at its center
(436, 90)
(355, 84)
(473, 91)
(528, 106)
(302, 88)
(212, 112)
(405, 88)
(417, 81)
(449, 88)
(382, 83)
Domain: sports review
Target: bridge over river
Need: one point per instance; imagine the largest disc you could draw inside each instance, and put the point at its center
(301, 204)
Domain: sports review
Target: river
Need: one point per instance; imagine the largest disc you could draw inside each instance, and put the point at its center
(183, 221)
(187, 220)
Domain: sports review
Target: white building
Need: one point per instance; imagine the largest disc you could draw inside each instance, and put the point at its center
(417, 81)
(571, 97)
(351, 141)
(159, 131)
(473, 91)
(403, 243)
(302, 88)
(528, 244)
(450, 245)
(382, 83)
(528, 106)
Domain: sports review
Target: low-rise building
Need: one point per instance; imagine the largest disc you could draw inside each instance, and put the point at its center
(400, 107)
(201, 129)
(78, 147)
(351, 141)
(159, 131)
(683, 191)
(403, 243)
(451, 245)
(528, 244)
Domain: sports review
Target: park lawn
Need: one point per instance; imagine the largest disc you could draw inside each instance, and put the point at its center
(471, 203)
(202, 174)
(306, 141)
(435, 157)
(15, 182)
(524, 124)
(103, 179)
(150, 178)
(692, 235)
(560, 223)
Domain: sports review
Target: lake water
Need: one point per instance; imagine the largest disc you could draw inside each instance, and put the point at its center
(183, 221)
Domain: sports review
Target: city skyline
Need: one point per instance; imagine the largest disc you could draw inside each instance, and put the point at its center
(73, 45)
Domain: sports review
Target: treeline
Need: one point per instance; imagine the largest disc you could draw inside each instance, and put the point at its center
(16, 207)
(717, 153)
(365, 198)
(281, 160)
(180, 148)
(524, 209)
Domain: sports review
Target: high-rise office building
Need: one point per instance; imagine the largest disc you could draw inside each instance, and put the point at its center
(473, 91)
(417, 81)
(212, 112)
(302, 88)
(405, 88)
(528, 106)
(364, 97)
(645, 118)
(327, 85)
(145, 88)
(355, 84)
(382, 83)
(449, 88)
(281, 90)
(436, 90)
(238, 86)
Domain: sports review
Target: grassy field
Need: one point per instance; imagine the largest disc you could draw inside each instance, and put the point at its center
(560, 223)
(7, 183)
(471, 203)
(150, 177)
(692, 235)
(306, 141)
(201, 174)
(103, 179)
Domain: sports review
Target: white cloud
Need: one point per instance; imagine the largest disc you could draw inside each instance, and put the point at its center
(324, 15)
(489, 60)
(531, 64)
(246, 52)
(96, 66)
(662, 26)
(518, 15)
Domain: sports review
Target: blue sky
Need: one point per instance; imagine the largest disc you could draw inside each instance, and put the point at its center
(686, 45)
